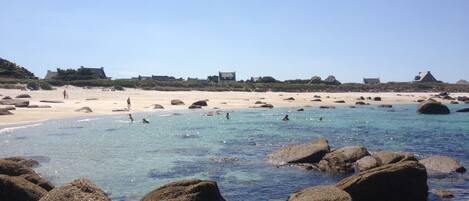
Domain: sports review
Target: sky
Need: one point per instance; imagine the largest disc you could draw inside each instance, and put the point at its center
(297, 39)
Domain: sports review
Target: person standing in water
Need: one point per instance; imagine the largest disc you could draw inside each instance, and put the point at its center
(286, 118)
(228, 115)
(128, 103)
(131, 118)
(145, 121)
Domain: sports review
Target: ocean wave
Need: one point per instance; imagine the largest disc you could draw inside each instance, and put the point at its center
(11, 129)
(88, 119)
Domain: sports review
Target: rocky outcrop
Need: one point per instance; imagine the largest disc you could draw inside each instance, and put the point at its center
(289, 99)
(388, 157)
(321, 193)
(23, 161)
(158, 106)
(342, 159)
(366, 163)
(316, 100)
(20, 167)
(38, 180)
(454, 102)
(11, 168)
(267, 106)
(377, 98)
(339, 101)
(195, 107)
(431, 106)
(186, 190)
(5, 111)
(403, 181)
(200, 103)
(300, 153)
(78, 190)
(177, 102)
(360, 103)
(23, 96)
(51, 101)
(19, 189)
(442, 164)
(15, 102)
(6, 98)
(85, 109)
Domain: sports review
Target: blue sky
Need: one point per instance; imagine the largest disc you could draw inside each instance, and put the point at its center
(393, 40)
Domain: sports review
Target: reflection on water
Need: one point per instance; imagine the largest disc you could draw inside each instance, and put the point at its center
(130, 159)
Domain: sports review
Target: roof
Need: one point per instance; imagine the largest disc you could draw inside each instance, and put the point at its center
(371, 80)
(50, 75)
(425, 76)
(227, 75)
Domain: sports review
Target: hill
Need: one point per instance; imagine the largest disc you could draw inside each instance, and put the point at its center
(11, 70)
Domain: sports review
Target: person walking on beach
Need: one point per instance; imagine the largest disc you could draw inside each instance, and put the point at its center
(131, 118)
(128, 103)
(65, 94)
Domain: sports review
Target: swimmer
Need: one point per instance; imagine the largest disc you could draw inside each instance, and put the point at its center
(320, 118)
(145, 121)
(131, 118)
(286, 118)
(228, 115)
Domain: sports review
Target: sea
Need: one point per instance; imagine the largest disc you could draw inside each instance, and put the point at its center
(128, 160)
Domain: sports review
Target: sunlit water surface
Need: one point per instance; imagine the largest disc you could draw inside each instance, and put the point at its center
(128, 160)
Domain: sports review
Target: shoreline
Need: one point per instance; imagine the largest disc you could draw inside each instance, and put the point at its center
(102, 102)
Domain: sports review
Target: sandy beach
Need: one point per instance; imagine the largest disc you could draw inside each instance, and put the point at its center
(103, 101)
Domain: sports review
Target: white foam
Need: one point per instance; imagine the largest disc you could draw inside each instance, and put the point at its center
(89, 119)
(11, 129)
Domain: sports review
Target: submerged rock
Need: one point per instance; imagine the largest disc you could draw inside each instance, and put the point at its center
(342, 159)
(431, 106)
(320, 193)
(385, 106)
(442, 164)
(463, 110)
(186, 190)
(78, 190)
(300, 110)
(19, 189)
(300, 153)
(177, 102)
(403, 181)
(326, 107)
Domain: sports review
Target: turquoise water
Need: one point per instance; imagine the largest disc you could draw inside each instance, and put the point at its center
(129, 160)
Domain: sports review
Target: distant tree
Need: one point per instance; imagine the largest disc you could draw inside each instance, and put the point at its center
(212, 78)
(268, 79)
(462, 82)
(72, 74)
(11, 70)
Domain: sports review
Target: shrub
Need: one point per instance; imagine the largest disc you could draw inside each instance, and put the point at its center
(33, 86)
(45, 86)
(118, 88)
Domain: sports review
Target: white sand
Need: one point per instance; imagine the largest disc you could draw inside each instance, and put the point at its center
(142, 101)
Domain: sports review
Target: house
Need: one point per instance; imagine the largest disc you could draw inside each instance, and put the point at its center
(331, 80)
(226, 77)
(162, 78)
(256, 79)
(315, 79)
(50, 75)
(371, 80)
(425, 77)
(98, 71)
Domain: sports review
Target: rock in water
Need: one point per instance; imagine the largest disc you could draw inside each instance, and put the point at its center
(85, 109)
(78, 190)
(200, 103)
(403, 181)
(388, 157)
(19, 189)
(341, 160)
(267, 106)
(366, 163)
(186, 190)
(320, 193)
(23, 161)
(385, 106)
(442, 164)
(442, 193)
(431, 106)
(463, 110)
(195, 107)
(177, 102)
(300, 153)
(11, 168)
(23, 96)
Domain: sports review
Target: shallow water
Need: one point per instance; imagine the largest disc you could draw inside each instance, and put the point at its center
(129, 160)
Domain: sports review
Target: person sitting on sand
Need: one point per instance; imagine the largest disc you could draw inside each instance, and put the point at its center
(286, 118)
(128, 103)
(145, 121)
(131, 118)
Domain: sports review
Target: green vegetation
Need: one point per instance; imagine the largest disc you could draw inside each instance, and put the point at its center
(72, 74)
(32, 85)
(11, 70)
